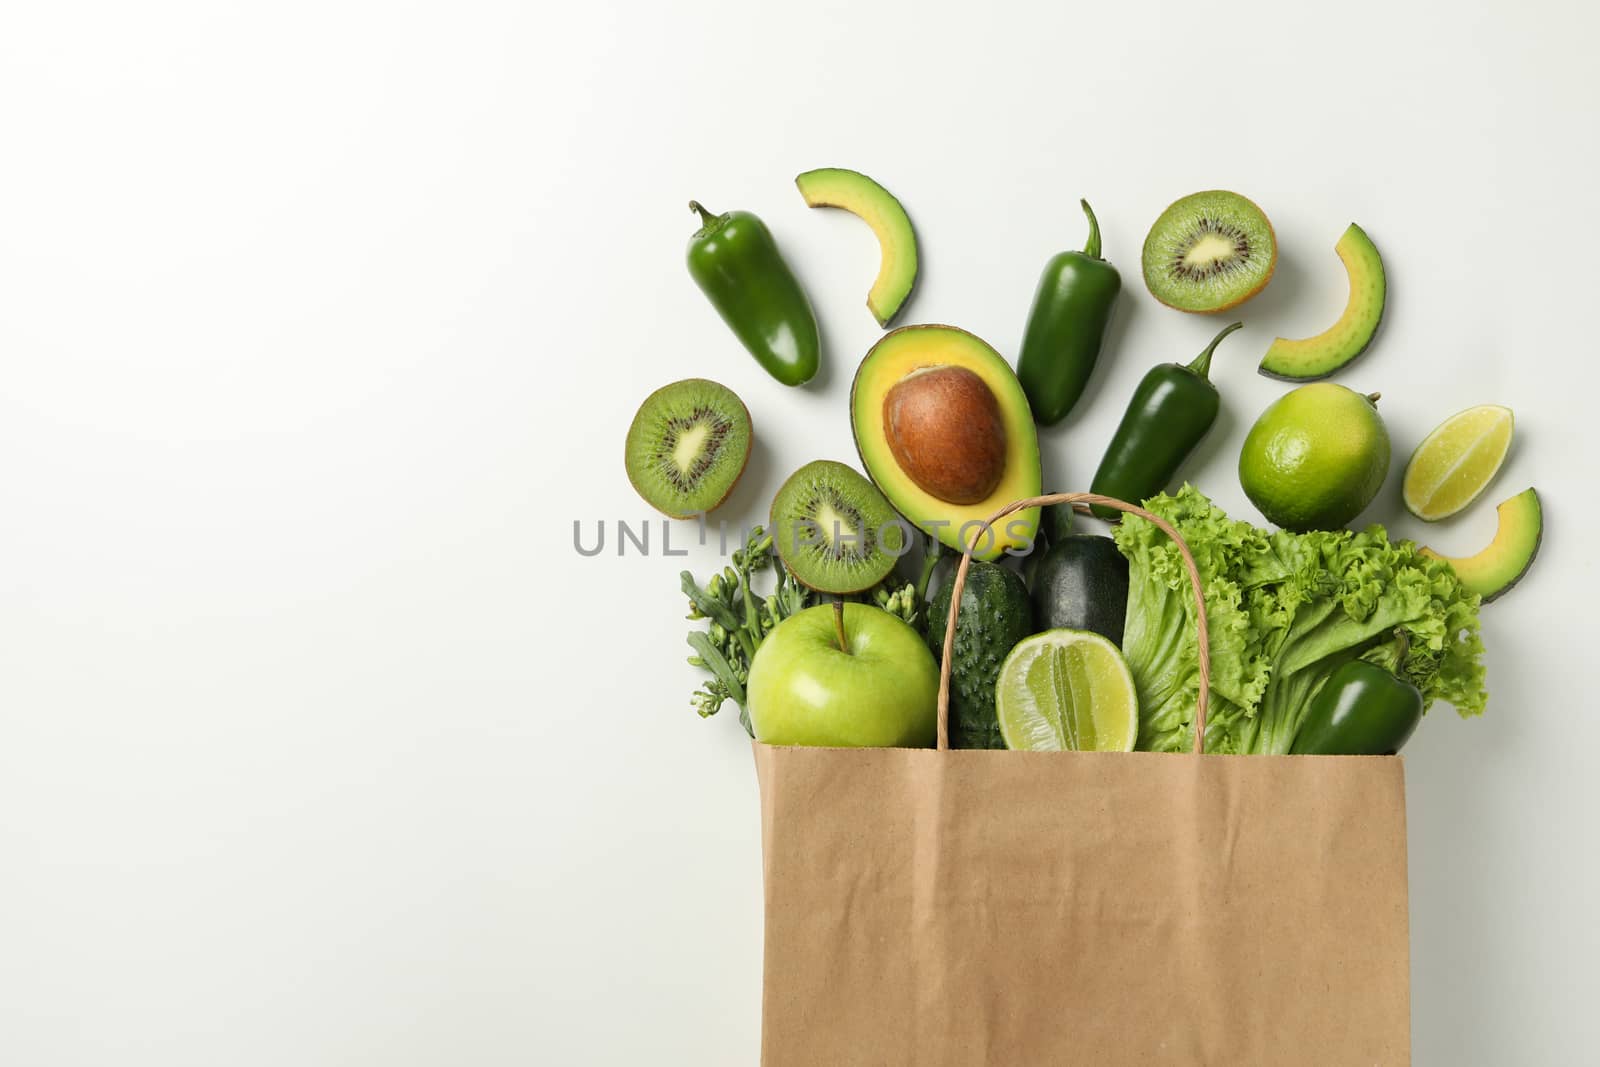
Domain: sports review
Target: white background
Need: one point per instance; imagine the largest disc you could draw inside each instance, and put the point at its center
(320, 324)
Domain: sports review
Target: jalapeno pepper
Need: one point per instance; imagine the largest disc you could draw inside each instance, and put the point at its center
(1361, 710)
(1170, 412)
(736, 263)
(1065, 327)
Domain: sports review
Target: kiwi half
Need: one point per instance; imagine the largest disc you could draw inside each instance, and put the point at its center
(834, 530)
(1209, 252)
(687, 446)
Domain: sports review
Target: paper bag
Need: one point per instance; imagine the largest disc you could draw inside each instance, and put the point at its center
(958, 908)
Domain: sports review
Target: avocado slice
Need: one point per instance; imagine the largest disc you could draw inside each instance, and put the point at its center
(944, 429)
(1502, 564)
(1317, 357)
(860, 195)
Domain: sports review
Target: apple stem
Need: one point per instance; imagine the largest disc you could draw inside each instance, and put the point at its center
(1373, 398)
(838, 625)
(930, 560)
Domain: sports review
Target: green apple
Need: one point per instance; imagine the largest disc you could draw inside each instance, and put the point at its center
(880, 690)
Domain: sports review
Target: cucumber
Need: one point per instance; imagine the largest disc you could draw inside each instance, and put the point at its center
(995, 615)
(1082, 584)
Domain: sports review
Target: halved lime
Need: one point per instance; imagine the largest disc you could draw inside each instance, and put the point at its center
(1457, 461)
(1067, 690)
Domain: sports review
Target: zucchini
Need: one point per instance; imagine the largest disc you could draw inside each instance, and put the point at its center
(1082, 584)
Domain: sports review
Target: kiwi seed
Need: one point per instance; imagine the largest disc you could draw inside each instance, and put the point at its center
(687, 446)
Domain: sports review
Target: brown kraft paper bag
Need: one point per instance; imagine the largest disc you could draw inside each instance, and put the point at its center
(956, 908)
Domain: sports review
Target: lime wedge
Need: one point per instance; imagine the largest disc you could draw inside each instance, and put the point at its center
(1067, 690)
(1457, 461)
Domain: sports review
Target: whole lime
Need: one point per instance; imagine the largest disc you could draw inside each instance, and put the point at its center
(1315, 458)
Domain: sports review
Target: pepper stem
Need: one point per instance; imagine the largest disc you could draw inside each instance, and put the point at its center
(706, 217)
(1202, 362)
(1091, 247)
(1391, 657)
(838, 625)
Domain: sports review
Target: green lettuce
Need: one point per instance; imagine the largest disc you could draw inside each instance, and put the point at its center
(1284, 610)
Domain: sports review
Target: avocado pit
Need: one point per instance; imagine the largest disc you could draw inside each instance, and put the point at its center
(945, 430)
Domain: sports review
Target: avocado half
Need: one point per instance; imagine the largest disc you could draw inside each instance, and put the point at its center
(1316, 357)
(861, 196)
(935, 412)
(1492, 572)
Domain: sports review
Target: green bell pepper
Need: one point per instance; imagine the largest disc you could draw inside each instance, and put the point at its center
(736, 263)
(1361, 710)
(1171, 410)
(1066, 326)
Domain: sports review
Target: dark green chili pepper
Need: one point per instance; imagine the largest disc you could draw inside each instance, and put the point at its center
(736, 263)
(1065, 327)
(1361, 710)
(1170, 412)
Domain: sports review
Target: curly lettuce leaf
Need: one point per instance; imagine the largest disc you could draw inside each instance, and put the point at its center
(1285, 611)
(1159, 640)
